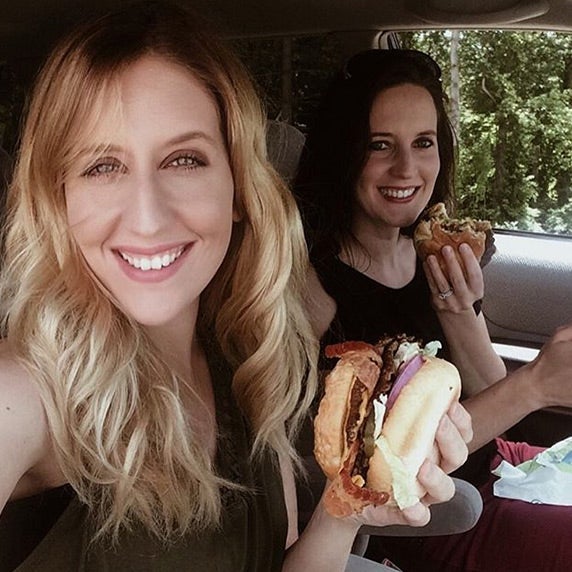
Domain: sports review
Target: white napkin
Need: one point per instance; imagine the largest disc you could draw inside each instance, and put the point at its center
(545, 479)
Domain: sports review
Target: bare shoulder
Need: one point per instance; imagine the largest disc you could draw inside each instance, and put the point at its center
(23, 427)
(321, 307)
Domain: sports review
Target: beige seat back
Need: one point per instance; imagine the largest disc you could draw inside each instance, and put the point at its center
(285, 143)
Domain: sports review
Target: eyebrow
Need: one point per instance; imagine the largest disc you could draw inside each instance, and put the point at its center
(190, 136)
(177, 140)
(387, 134)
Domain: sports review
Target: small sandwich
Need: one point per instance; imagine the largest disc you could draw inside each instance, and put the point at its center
(436, 230)
(377, 420)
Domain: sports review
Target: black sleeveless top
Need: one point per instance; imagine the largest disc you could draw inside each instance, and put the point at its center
(366, 309)
(51, 532)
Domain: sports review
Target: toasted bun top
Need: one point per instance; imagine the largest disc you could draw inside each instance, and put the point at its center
(407, 435)
(437, 230)
(408, 432)
(354, 377)
(431, 237)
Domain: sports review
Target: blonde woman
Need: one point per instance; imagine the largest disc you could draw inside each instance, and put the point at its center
(156, 362)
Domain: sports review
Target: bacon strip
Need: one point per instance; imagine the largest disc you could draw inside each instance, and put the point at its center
(345, 497)
(338, 350)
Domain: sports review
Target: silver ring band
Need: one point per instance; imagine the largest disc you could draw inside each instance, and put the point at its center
(446, 294)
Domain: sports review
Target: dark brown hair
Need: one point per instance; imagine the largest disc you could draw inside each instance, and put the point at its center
(337, 144)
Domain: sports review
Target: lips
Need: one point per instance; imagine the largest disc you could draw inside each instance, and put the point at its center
(157, 261)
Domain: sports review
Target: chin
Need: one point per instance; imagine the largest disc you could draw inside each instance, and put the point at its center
(404, 222)
(154, 314)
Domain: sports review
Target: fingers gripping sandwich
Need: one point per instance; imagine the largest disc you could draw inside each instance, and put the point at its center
(377, 421)
(436, 230)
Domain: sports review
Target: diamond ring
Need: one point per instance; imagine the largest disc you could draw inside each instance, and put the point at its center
(446, 294)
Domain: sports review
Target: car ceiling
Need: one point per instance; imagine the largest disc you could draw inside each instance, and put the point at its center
(28, 27)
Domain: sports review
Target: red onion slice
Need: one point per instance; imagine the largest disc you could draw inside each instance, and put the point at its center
(406, 373)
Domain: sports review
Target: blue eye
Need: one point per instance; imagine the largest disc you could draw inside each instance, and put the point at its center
(103, 168)
(186, 161)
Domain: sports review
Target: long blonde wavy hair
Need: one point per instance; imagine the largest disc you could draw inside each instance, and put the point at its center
(114, 411)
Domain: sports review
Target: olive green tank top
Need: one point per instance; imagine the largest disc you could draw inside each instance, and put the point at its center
(251, 538)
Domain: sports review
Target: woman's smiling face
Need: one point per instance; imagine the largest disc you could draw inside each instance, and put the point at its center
(150, 201)
(399, 176)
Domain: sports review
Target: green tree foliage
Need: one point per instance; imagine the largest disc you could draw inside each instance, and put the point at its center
(515, 129)
(314, 60)
(515, 140)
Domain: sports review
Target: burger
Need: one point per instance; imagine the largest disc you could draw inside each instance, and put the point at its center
(436, 230)
(377, 420)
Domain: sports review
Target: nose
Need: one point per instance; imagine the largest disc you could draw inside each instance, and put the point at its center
(146, 210)
(403, 164)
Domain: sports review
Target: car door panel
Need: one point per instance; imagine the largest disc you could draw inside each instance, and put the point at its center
(528, 288)
(528, 294)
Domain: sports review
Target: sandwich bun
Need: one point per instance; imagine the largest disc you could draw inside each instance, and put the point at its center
(407, 431)
(358, 367)
(436, 230)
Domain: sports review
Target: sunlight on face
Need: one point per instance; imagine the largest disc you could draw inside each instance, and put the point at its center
(150, 201)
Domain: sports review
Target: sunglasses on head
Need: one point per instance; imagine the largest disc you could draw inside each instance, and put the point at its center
(365, 63)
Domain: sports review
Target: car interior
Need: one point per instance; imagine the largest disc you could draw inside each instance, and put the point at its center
(528, 282)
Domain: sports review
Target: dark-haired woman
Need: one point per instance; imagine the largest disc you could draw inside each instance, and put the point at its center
(379, 152)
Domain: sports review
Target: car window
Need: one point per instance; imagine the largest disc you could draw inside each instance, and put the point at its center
(292, 72)
(510, 102)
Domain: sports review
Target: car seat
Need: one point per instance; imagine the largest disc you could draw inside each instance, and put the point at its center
(285, 143)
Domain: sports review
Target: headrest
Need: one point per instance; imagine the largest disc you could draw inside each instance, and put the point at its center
(285, 143)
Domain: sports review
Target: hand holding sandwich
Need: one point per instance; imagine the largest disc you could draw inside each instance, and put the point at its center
(380, 418)
(436, 230)
(461, 286)
(335, 535)
(449, 453)
(453, 252)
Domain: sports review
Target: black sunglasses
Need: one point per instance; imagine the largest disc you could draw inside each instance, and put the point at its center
(363, 64)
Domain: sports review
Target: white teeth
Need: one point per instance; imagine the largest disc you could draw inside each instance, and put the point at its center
(156, 262)
(397, 193)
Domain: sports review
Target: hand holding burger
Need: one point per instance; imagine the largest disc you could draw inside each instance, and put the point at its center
(377, 421)
(436, 230)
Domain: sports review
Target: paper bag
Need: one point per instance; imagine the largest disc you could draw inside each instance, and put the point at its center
(545, 479)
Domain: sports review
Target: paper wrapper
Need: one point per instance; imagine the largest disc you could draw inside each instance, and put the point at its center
(545, 479)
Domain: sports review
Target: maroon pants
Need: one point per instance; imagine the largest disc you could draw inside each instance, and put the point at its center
(511, 535)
